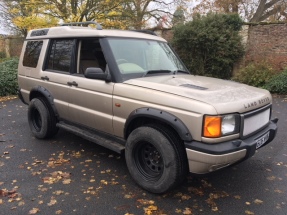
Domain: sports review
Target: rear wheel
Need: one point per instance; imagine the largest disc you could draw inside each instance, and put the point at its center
(42, 120)
(153, 160)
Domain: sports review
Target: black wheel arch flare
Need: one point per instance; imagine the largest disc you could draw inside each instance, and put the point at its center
(41, 91)
(158, 115)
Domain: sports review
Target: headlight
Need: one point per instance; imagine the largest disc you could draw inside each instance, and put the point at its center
(217, 126)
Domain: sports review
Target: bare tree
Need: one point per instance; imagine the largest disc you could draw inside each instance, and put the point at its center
(249, 10)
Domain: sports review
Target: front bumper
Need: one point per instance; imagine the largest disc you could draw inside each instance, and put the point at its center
(204, 158)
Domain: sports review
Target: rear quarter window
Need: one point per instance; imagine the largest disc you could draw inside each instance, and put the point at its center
(32, 53)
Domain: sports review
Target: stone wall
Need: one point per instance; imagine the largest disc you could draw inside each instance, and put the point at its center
(11, 45)
(267, 43)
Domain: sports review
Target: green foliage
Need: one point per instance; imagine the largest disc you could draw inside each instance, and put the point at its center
(8, 77)
(278, 84)
(2, 55)
(255, 74)
(210, 45)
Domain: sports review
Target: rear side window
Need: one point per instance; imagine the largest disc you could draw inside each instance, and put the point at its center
(32, 53)
(60, 55)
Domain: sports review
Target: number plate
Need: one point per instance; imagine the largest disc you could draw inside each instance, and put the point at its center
(262, 140)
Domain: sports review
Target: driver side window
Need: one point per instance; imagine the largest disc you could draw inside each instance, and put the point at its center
(90, 55)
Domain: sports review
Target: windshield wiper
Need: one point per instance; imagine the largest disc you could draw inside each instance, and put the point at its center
(156, 72)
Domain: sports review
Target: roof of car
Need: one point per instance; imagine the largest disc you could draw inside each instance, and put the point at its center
(79, 31)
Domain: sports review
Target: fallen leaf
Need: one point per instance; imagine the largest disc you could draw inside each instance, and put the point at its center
(237, 197)
(247, 203)
(58, 212)
(149, 210)
(21, 203)
(185, 197)
(278, 191)
(127, 196)
(145, 201)
(34, 211)
(271, 178)
(249, 212)
(187, 211)
(58, 192)
(258, 201)
(52, 202)
(104, 182)
(66, 181)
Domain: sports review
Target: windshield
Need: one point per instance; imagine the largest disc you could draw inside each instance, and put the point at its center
(138, 58)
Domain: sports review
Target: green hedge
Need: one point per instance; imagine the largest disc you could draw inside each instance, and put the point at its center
(256, 74)
(278, 84)
(8, 77)
(210, 45)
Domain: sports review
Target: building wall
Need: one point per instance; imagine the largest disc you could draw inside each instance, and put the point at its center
(267, 43)
(11, 46)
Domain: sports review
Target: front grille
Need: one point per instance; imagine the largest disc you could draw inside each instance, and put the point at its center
(255, 120)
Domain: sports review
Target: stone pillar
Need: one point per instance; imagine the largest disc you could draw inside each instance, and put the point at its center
(7, 47)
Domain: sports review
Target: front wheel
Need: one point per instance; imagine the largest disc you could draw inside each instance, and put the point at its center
(42, 120)
(152, 159)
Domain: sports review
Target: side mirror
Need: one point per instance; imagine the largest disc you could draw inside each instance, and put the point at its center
(97, 73)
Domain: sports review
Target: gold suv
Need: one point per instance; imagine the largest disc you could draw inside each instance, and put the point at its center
(129, 91)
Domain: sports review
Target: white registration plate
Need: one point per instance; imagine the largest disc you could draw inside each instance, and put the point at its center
(262, 140)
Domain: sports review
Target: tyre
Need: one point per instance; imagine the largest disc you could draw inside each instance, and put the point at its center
(153, 159)
(42, 120)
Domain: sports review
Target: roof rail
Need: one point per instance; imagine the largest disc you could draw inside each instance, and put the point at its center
(146, 32)
(99, 27)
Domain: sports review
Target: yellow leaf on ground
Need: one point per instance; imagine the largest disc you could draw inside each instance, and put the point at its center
(237, 197)
(67, 181)
(258, 201)
(249, 212)
(34, 211)
(187, 211)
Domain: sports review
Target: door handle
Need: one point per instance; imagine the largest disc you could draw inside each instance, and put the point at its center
(45, 78)
(72, 83)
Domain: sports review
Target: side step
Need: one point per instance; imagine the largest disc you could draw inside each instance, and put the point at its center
(113, 144)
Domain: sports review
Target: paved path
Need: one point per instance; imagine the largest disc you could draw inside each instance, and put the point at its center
(69, 175)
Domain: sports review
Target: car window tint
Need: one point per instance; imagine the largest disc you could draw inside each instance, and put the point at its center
(60, 55)
(32, 53)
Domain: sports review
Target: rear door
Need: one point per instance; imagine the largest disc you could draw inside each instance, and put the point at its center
(58, 66)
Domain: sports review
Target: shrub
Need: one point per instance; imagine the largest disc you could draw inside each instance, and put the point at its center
(8, 77)
(255, 74)
(278, 84)
(2, 55)
(210, 45)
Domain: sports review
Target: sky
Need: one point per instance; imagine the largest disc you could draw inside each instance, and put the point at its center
(2, 31)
